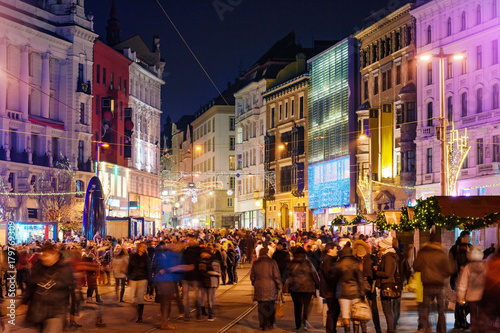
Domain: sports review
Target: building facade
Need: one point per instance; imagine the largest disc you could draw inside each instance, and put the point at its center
(387, 115)
(332, 102)
(213, 180)
(286, 147)
(45, 100)
(471, 30)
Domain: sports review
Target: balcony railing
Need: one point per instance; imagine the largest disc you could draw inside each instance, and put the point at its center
(83, 87)
(42, 160)
(19, 157)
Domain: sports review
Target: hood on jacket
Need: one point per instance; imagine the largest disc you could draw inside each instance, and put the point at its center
(346, 252)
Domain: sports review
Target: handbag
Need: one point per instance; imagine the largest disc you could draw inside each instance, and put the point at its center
(361, 311)
(278, 306)
(390, 290)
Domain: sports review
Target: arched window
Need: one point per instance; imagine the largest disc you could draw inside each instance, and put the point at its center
(448, 27)
(479, 100)
(463, 26)
(464, 104)
(429, 114)
(449, 104)
(495, 96)
(429, 34)
(478, 14)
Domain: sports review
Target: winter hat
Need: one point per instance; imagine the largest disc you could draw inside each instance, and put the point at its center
(386, 243)
(360, 248)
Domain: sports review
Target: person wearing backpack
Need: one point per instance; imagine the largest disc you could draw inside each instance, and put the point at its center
(386, 280)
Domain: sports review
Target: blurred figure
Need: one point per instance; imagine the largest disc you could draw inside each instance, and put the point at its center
(434, 267)
(191, 280)
(231, 263)
(48, 291)
(266, 280)
(458, 257)
(489, 251)
(350, 286)
(119, 266)
(210, 271)
(470, 287)
(91, 270)
(282, 257)
(139, 273)
(301, 280)
(328, 286)
(490, 305)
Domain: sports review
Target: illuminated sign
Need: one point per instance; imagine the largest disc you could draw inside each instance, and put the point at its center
(329, 183)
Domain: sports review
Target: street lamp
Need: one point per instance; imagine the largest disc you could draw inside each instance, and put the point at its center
(444, 145)
(364, 136)
(99, 145)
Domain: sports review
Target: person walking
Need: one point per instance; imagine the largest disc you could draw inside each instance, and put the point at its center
(119, 266)
(210, 271)
(458, 257)
(434, 267)
(350, 285)
(266, 280)
(139, 273)
(191, 280)
(328, 286)
(302, 281)
(282, 257)
(386, 273)
(231, 263)
(470, 288)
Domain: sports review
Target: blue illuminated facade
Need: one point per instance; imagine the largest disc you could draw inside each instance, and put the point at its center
(332, 104)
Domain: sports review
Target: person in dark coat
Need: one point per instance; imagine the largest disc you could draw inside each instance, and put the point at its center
(266, 280)
(489, 304)
(249, 247)
(458, 257)
(386, 279)
(231, 263)
(350, 285)
(282, 257)
(48, 290)
(139, 273)
(301, 280)
(191, 280)
(210, 271)
(434, 267)
(328, 286)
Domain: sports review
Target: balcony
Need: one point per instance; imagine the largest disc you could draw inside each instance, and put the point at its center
(480, 118)
(14, 115)
(85, 166)
(83, 87)
(269, 193)
(428, 131)
(488, 169)
(19, 157)
(42, 160)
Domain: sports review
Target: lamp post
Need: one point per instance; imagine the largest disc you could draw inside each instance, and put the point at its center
(442, 116)
(99, 145)
(370, 172)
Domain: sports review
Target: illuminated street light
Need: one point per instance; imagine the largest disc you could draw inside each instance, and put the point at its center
(198, 147)
(281, 147)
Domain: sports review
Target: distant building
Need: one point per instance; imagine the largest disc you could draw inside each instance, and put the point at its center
(332, 103)
(387, 115)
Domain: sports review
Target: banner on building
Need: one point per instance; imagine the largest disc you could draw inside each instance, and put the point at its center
(387, 141)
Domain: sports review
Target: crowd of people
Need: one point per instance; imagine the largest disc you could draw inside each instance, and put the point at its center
(187, 266)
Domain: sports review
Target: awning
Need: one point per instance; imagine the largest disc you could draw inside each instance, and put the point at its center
(477, 206)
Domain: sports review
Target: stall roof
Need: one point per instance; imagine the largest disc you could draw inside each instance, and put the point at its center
(477, 206)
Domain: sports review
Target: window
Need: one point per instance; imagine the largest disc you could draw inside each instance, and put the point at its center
(231, 143)
(209, 145)
(429, 114)
(398, 74)
(98, 74)
(465, 165)
(293, 108)
(410, 69)
(272, 117)
(119, 83)
(495, 94)
(387, 80)
(240, 161)
(80, 72)
(493, 9)
(286, 110)
(104, 77)
(239, 135)
(494, 52)
(121, 142)
(375, 85)
(82, 113)
(449, 67)
(479, 57)
(464, 104)
(448, 27)
(449, 104)
(81, 150)
(209, 126)
(125, 87)
(479, 151)
(301, 107)
(281, 112)
(365, 89)
(411, 115)
(262, 127)
(231, 163)
(463, 22)
(230, 202)
(213, 124)
(479, 100)
(112, 81)
(232, 182)
(496, 148)
(232, 123)
(464, 65)
(429, 73)
(33, 212)
(384, 80)
(410, 161)
(429, 160)
(478, 14)
(429, 34)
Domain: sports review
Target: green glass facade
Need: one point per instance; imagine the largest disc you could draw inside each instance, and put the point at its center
(332, 103)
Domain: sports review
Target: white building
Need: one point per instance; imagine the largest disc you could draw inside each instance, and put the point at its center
(471, 88)
(45, 95)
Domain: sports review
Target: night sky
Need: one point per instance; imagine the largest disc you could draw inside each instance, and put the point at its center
(228, 39)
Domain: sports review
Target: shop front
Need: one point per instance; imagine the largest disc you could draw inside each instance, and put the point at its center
(27, 232)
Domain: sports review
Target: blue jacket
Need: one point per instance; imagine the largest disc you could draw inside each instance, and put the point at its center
(165, 259)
